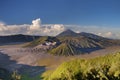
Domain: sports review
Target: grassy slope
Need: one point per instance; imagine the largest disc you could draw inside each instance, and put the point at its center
(36, 42)
(106, 67)
(81, 42)
(41, 40)
(64, 49)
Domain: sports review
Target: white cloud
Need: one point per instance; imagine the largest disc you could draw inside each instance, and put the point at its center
(36, 28)
(36, 24)
(105, 31)
(109, 34)
(12, 29)
(77, 31)
(53, 29)
(33, 29)
(2, 27)
(99, 34)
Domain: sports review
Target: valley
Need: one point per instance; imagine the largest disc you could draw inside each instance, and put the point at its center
(15, 57)
(45, 54)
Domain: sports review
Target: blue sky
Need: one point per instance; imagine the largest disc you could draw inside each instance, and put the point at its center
(102, 13)
(83, 12)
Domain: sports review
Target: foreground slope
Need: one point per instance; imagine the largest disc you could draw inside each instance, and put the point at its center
(100, 68)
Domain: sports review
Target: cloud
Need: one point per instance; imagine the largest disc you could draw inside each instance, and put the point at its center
(37, 28)
(52, 29)
(2, 27)
(12, 29)
(36, 24)
(109, 34)
(99, 34)
(105, 31)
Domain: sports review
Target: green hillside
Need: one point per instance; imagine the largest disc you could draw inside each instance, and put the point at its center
(41, 40)
(64, 49)
(80, 42)
(74, 46)
(100, 68)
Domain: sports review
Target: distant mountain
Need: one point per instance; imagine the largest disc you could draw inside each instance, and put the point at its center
(17, 38)
(90, 35)
(70, 33)
(71, 43)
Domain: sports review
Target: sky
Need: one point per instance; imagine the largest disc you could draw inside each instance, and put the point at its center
(50, 17)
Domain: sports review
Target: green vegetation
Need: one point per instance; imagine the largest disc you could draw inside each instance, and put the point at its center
(80, 42)
(100, 68)
(26, 77)
(64, 49)
(37, 42)
(4, 74)
(15, 76)
(74, 45)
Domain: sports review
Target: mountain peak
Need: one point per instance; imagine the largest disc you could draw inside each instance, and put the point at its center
(67, 32)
